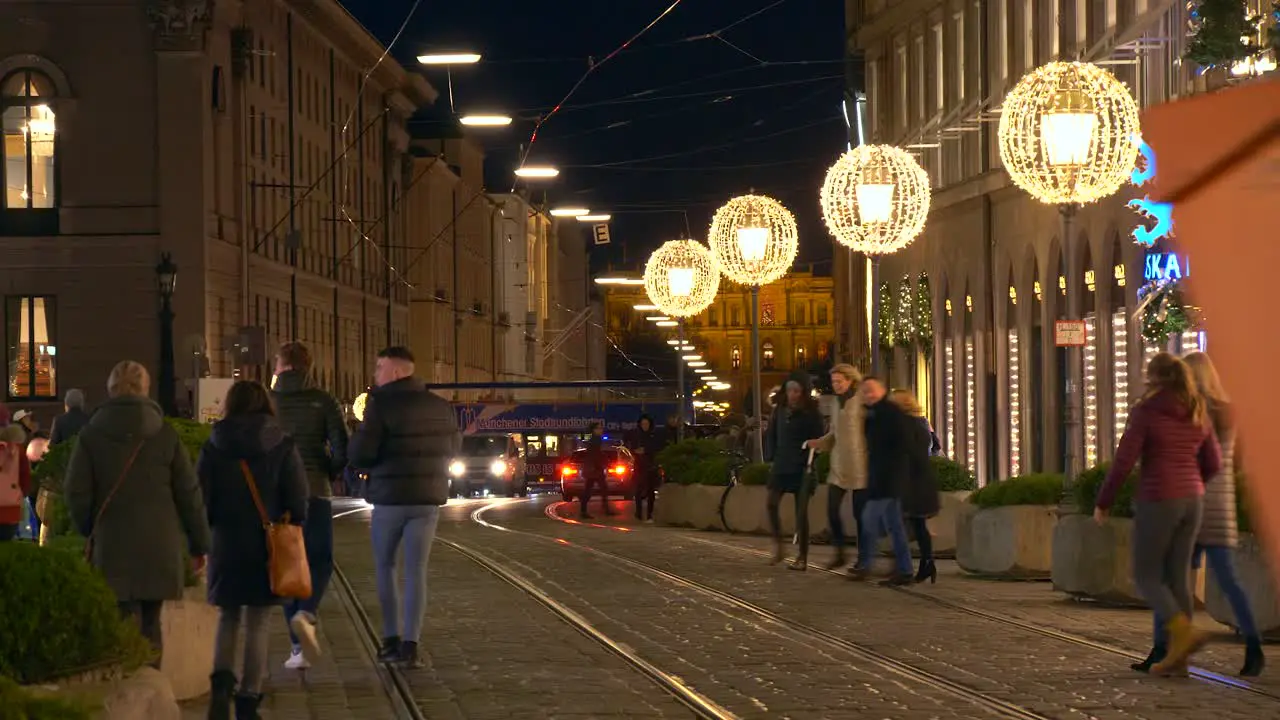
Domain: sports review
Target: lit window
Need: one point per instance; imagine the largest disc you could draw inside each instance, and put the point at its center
(766, 352)
(30, 130)
(735, 357)
(30, 323)
(800, 356)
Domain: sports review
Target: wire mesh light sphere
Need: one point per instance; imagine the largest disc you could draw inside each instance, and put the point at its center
(754, 239)
(681, 278)
(875, 199)
(1067, 133)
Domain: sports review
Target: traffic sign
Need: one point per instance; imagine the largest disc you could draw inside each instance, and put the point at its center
(1069, 333)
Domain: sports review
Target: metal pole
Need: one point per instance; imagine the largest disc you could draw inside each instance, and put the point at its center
(680, 393)
(756, 400)
(876, 360)
(168, 374)
(1074, 411)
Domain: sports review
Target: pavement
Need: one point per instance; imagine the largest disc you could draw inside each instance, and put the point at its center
(707, 612)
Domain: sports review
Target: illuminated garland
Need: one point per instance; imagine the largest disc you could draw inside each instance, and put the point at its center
(924, 315)
(887, 316)
(904, 320)
(1164, 311)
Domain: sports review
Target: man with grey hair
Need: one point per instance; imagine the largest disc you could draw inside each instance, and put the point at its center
(70, 423)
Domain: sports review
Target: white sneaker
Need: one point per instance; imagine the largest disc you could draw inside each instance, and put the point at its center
(296, 661)
(305, 630)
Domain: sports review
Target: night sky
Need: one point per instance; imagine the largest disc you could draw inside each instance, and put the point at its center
(668, 129)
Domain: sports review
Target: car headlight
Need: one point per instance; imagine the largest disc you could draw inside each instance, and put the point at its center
(457, 468)
(499, 467)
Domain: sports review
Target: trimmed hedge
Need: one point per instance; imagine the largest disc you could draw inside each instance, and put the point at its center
(58, 617)
(19, 703)
(682, 462)
(952, 476)
(755, 474)
(1090, 483)
(1034, 489)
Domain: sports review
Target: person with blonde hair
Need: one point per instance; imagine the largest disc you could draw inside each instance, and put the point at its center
(1170, 432)
(1218, 533)
(130, 489)
(847, 443)
(920, 500)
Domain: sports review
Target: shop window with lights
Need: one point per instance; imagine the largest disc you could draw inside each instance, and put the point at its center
(766, 353)
(30, 153)
(1013, 348)
(1119, 350)
(735, 357)
(1090, 369)
(30, 336)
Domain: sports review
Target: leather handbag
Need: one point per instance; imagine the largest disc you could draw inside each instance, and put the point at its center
(287, 566)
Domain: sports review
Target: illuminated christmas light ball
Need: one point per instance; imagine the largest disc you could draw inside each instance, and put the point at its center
(1067, 133)
(357, 407)
(754, 239)
(875, 199)
(681, 278)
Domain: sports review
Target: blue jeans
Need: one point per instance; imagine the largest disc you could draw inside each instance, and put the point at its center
(1224, 573)
(317, 537)
(414, 526)
(879, 517)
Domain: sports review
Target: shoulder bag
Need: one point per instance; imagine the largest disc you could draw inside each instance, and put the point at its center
(97, 518)
(287, 567)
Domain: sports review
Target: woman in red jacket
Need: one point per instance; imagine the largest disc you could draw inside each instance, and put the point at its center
(1169, 433)
(15, 480)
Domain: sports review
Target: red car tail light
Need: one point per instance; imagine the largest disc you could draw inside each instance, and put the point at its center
(568, 470)
(619, 469)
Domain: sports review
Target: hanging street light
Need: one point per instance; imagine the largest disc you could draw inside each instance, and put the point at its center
(485, 120)
(449, 58)
(572, 212)
(681, 279)
(754, 241)
(1067, 137)
(537, 172)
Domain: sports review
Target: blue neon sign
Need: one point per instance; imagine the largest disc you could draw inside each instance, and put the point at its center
(1148, 209)
(1164, 267)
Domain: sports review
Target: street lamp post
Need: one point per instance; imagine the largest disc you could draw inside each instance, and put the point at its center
(1067, 136)
(754, 240)
(166, 278)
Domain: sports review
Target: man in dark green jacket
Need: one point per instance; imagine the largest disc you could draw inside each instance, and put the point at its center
(314, 420)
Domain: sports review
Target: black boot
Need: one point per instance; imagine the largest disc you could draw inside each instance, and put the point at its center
(1254, 660)
(390, 651)
(777, 553)
(1157, 654)
(928, 571)
(222, 688)
(247, 707)
(838, 561)
(409, 656)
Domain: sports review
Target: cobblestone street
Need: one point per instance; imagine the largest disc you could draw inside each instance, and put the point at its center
(706, 611)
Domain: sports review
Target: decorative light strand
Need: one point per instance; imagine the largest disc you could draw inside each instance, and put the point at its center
(924, 315)
(970, 407)
(1090, 391)
(1066, 133)
(949, 391)
(905, 333)
(1120, 364)
(754, 239)
(875, 199)
(681, 278)
(1015, 404)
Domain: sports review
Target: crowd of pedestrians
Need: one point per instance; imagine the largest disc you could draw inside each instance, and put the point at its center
(150, 517)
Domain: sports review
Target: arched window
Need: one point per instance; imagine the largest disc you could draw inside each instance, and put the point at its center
(766, 351)
(30, 133)
(735, 357)
(800, 318)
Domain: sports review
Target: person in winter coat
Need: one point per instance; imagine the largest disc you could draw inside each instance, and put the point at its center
(645, 442)
(405, 444)
(70, 423)
(795, 422)
(131, 491)
(847, 443)
(890, 439)
(593, 472)
(1218, 534)
(920, 499)
(1170, 432)
(15, 480)
(313, 419)
(247, 446)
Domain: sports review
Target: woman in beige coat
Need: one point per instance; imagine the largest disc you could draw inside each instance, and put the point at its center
(847, 443)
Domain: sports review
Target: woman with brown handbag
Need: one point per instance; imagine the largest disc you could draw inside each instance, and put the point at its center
(249, 468)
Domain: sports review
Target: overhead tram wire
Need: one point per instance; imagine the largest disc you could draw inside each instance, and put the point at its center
(709, 148)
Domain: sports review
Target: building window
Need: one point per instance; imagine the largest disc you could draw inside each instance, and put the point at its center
(1028, 35)
(30, 337)
(822, 314)
(735, 357)
(30, 131)
(713, 318)
(1002, 39)
(801, 356)
(766, 352)
(917, 51)
(959, 55)
(735, 315)
(904, 116)
(801, 316)
(766, 314)
(939, 70)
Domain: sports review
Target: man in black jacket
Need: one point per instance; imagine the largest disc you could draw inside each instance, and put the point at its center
(314, 420)
(70, 423)
(889, 433)
(405, 444)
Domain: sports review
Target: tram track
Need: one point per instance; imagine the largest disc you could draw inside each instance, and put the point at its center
(995, 707)
(1199, 674)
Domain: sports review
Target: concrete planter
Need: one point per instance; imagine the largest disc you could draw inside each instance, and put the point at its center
(944, 525)
(1014, 541)
(695, 506)
(1254, 573)
(746, 510)
(1096, 561)
(189, 626)
(144, 695)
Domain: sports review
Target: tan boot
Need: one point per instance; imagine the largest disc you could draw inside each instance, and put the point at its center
(1184, 641)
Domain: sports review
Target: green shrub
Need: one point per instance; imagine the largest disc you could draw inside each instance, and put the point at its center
(19, 703)
(679, 461)
(755, 474)
(58, 617)
(52, 468)
(192, 434)
(952, 476)
(712, 471)
(1036, 489)
(1090, 483)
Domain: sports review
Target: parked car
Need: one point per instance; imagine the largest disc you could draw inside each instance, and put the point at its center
(487, 464)
(619, 472)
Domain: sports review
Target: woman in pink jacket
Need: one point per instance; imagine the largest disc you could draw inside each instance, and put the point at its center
(1169, 433)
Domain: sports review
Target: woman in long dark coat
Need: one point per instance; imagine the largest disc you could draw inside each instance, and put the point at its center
(795, 421)
(246, 446)
(920, 499)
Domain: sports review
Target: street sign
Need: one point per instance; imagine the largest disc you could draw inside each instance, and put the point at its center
(1069, 333)
(601, 232)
